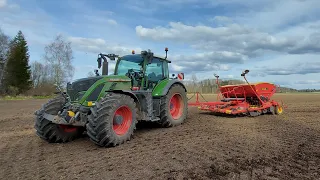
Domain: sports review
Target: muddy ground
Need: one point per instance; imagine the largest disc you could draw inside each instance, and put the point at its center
(205, 147)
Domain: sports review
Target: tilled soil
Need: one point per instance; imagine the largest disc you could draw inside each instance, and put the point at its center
(205, 147)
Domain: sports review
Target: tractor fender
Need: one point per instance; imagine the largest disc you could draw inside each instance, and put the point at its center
(129, 93)
(170, 84)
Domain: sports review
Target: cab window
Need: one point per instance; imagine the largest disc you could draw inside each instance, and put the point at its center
(155, 71)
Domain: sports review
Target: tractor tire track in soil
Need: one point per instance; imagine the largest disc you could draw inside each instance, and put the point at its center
(205, 147)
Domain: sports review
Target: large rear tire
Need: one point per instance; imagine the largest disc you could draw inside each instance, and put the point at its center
(174, 107)
(55, 133)
(113, 120)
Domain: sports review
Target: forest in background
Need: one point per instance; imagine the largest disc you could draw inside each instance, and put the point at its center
(20, 77)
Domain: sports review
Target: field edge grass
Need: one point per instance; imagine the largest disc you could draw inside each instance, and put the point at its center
(8, 98)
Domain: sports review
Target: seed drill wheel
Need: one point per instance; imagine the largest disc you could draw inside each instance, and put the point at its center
(55, 133)
(113, 120)
(174, 107)
(278, 109)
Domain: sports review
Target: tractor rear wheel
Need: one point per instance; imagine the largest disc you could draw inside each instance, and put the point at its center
(113, 120)
(174, 107)
(55, 133)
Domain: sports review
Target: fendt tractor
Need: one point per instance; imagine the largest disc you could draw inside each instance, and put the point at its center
(108, 107)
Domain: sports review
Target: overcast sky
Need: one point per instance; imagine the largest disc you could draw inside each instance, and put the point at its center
(277, 40)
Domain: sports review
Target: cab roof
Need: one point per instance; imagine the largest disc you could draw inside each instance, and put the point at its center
(138, 58)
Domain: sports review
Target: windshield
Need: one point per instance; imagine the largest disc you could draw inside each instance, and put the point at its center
(125, 65)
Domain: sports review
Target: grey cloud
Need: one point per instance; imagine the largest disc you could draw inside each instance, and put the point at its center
(308, 82)
(5, 6)
(297, 68)
(233, 37)
(214, 56)
(192, 34)
(201, 62)
(310, 44)
(98, 45)
(151, 6)
(215, 60)
(188, 67)
(148, 6)
(254, 38)
(258, 74)
(3, 3)
(99, 19)
(283, 83)
(221, 19)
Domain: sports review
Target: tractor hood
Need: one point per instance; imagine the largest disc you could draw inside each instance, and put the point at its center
(106, 77)
(116, 78)
(77, 89)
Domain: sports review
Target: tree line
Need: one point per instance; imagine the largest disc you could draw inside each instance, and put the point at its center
(19, 76)
(208, 86)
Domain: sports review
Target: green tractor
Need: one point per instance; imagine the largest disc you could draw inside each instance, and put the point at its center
(108, 107)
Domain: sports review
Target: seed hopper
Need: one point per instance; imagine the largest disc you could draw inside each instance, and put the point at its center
(242, 99)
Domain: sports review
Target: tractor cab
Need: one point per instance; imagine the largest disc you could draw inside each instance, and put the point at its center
(145, 70)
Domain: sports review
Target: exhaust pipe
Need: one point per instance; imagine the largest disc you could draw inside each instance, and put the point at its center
(105, 68)
(105, 62)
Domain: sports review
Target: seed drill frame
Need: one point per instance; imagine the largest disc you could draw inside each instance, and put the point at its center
(243, 99)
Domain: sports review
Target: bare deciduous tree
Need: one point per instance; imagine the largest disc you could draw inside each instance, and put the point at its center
(59, 56)
(4, 47)
(194, 80)
(37, 73)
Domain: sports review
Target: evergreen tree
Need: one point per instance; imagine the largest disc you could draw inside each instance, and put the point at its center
(18, 73)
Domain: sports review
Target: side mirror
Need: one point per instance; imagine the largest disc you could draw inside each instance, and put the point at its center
(99, 62)
(96, 72)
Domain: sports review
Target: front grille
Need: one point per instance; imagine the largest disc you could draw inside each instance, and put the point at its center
(76, 87)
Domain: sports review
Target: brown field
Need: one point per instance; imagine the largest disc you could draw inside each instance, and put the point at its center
(205, 147)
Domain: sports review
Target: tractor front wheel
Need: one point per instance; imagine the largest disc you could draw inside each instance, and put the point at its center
(55, 133)
(113, 120)
(174, 107)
